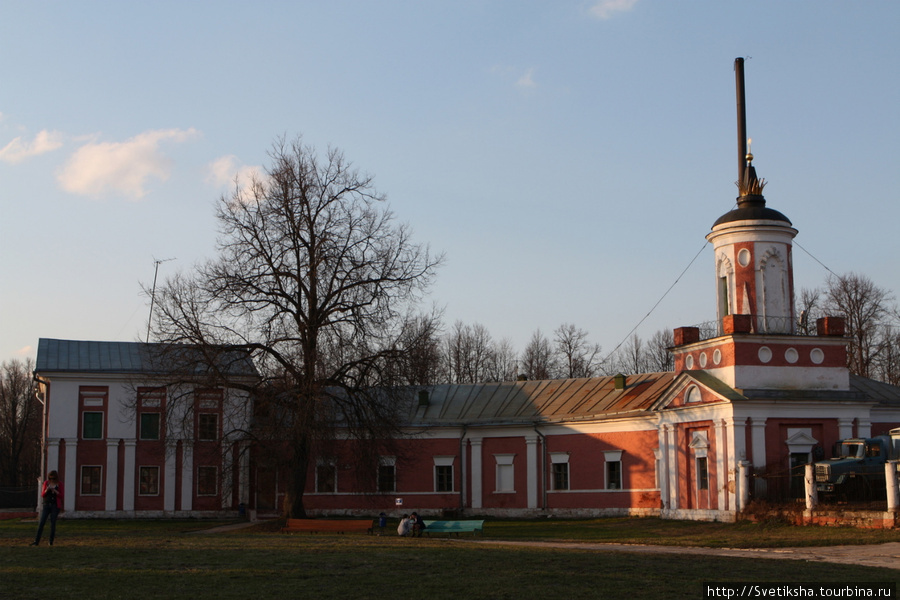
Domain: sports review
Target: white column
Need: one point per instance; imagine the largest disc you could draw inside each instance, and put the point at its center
(71, 476)
(476, 472)
(672, 467)
(112, 473)
(758, 437)
(721, 433)
(227, 474)
(662, 463)
(890, 479)
(187, 475)
(531, 463)
(864, 427)
(809, 482)
(53, 455)
(845, 429)
(737, 452)
(171, 468)
(128, 476)
(743, 485)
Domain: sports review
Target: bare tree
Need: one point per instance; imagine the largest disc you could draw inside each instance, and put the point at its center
(863, 304)
(504, 364)
(658, 358)
(575, 355)
(318, 281)
(631, 357)
(20, 425)
(469, 353)
(537, 358)
(809, 309)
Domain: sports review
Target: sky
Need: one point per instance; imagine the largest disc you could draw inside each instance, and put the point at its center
(568, 157)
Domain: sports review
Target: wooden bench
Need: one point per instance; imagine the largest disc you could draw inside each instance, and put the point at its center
(326, 525)
(456, 527)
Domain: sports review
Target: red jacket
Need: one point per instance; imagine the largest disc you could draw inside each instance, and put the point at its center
(59, 492)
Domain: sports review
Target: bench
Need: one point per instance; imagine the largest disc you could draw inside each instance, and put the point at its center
(456, 527)
(326, 525)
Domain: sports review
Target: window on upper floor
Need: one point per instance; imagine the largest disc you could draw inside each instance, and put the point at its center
(149, 426)
(207, 427)
(92, 425)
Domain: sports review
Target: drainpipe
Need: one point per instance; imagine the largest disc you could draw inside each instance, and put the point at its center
(462, 469)
(44, 422)
(44, 425)
(542, 480)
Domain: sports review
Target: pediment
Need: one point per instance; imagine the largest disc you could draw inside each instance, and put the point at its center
(695, 388)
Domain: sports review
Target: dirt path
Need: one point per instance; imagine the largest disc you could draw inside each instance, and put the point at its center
(875, 555)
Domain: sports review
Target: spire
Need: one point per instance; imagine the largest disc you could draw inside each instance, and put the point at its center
(748, 183)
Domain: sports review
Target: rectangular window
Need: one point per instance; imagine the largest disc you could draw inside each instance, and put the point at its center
(560, 476)
(386, 478)
(326, 475)
(90, 481)
(207, 427)
(92, 425)
(702, 473)
(149, 426)
(207, 481)
(149, 481)
(443, 478)
(614, 475)
(506, 475)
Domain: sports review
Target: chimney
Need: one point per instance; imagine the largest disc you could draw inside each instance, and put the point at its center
(619, 381)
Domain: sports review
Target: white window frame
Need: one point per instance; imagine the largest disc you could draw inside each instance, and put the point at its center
(559, 458)
(504, 470)
(444, 461)
(141, 469)
(609, 457)
(81, 480)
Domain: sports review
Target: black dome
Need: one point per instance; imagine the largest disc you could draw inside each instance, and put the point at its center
(752, 208)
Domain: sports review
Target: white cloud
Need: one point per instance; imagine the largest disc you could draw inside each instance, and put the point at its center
(25, 351)
(606, 9)
(18, 150)
(526, 81)
(98, 169)
(227, 171)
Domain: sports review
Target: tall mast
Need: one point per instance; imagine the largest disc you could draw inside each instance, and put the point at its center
(741, 117)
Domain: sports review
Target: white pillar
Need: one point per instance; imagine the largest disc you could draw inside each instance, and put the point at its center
(662, 465)
(890, 479)
(845, 429)
(476, 472)
(187, 475)
(737, 453)
(171, 468)
(809, 480)
(863, 427)
(758, 439)
(721, 433)
(128, 475)
(743, 485)
(112, 473)
(531, 462)
(672, 467)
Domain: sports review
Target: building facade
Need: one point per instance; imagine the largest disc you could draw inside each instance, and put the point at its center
(127, 442)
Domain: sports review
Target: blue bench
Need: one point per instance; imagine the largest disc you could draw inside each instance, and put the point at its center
(456, 527)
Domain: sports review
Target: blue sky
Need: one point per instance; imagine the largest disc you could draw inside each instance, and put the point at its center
(569, 156)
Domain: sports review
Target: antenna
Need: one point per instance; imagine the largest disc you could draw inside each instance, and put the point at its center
(156, 263)
(741, 116)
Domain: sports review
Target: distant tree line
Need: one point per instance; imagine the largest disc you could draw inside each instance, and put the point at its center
(20, 426)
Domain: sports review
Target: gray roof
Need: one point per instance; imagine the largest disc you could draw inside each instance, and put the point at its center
(79, 356)
(544, 401)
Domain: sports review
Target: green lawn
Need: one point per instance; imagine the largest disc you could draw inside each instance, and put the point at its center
(161, 559)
